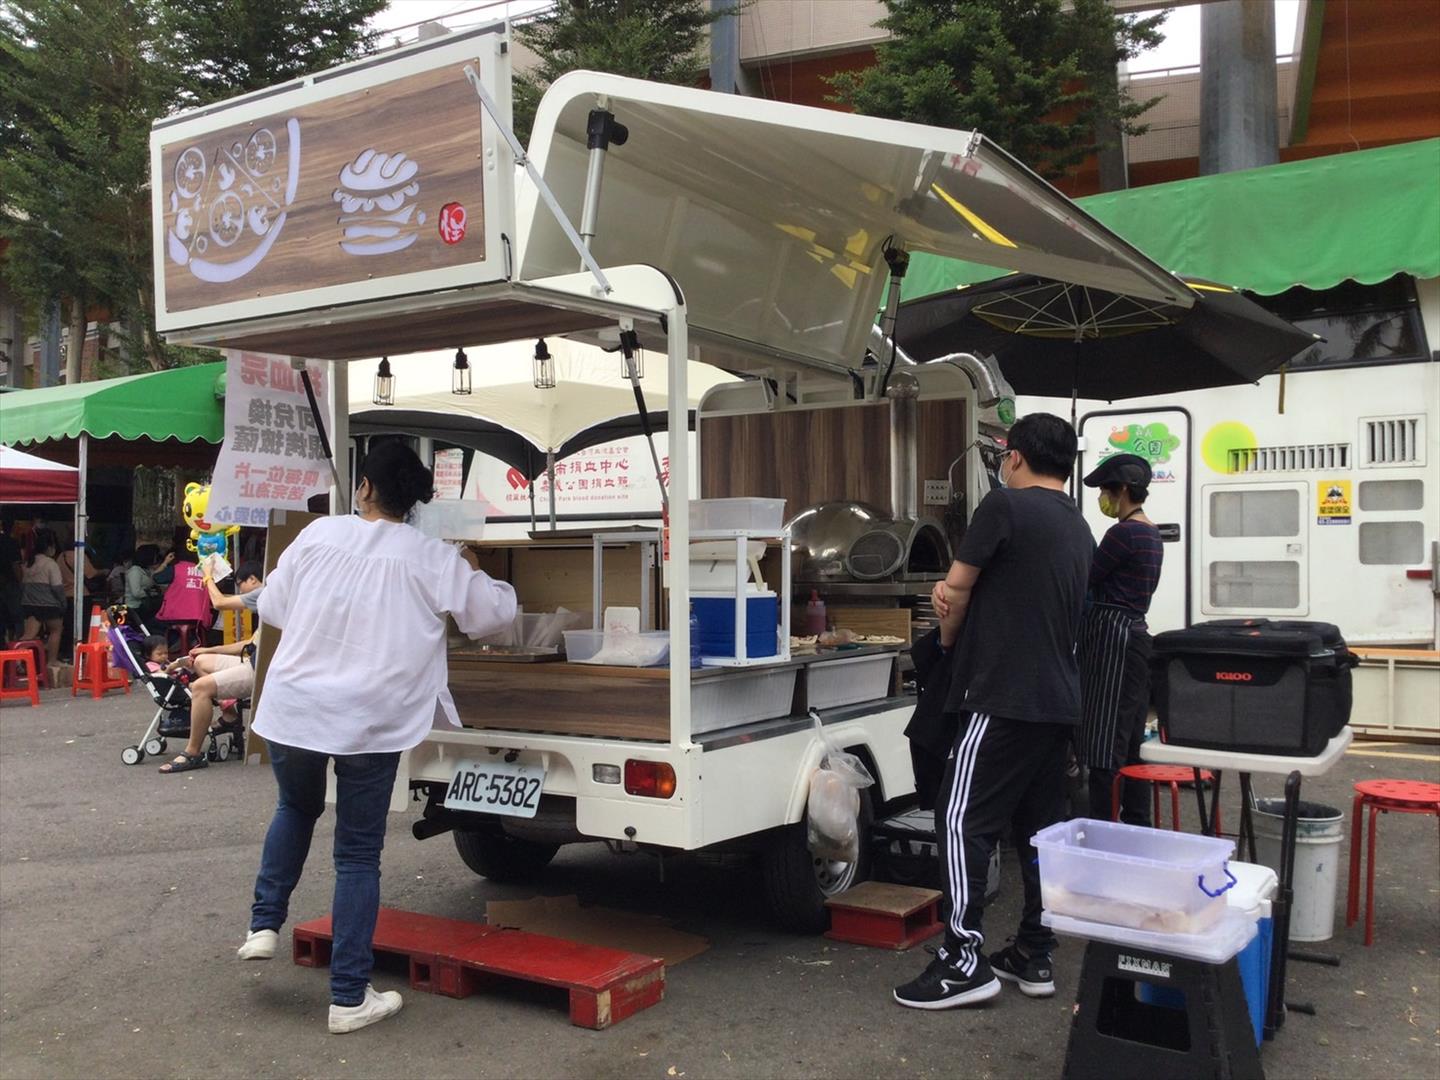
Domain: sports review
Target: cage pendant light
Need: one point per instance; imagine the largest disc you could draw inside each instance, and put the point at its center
(460, 383)
(544, 375)
(384, 383)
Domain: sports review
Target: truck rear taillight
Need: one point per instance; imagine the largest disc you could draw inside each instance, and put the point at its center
(653, 779)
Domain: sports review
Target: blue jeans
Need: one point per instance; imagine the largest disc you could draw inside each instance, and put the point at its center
(363, 784)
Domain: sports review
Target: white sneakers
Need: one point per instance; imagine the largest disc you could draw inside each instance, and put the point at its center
(372, 1010)
(259, 945)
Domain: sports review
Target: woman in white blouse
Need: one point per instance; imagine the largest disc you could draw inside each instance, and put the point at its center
(358, 677)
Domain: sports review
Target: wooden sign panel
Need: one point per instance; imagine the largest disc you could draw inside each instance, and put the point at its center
(341, 188)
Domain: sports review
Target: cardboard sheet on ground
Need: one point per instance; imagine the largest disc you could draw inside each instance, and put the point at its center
(563, 917)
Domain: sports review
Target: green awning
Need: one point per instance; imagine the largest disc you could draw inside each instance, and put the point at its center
(178, 404)
(1366, 215)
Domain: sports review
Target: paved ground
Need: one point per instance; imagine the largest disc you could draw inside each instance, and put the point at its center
(123, 895)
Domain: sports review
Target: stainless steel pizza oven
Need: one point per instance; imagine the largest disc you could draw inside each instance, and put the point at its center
(842, 543)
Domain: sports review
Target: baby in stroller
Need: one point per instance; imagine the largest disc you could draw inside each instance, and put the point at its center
(146, 657)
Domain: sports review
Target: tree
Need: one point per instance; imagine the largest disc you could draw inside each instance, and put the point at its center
(1033, 76)
(221, 48)
(659, 40)
(81, 81)
(79, 85)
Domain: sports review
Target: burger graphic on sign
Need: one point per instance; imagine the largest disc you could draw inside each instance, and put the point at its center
(378, 213)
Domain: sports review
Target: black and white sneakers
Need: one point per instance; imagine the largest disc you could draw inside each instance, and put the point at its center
(1034, 975)
(943, 985)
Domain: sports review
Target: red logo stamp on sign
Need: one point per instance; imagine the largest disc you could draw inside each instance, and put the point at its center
(452, 223)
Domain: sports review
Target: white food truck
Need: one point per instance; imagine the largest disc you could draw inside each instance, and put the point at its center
(377, 209)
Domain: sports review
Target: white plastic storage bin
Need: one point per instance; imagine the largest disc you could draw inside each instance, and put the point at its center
(748, 515)
(832, 683)
(732, 700)
(648, 649)
(1226, 938)
(1128, 875)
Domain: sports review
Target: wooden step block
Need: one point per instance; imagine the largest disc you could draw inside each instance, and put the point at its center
(885, 916)
(454, 958)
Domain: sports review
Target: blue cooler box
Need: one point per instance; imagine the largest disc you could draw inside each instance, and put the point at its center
(1253, 892)
(716, 616)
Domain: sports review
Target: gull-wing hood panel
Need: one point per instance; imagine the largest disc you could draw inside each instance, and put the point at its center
(772, 217)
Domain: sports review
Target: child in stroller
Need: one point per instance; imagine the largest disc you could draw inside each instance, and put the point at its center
(168, 688)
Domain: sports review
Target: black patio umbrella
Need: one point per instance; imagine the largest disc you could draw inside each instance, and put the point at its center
(1060, 340)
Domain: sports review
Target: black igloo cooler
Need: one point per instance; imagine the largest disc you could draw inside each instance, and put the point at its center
(1253, 686)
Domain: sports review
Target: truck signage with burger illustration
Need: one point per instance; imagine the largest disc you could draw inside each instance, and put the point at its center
(381, 178)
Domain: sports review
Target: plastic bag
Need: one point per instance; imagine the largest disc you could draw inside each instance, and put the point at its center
(834, 803)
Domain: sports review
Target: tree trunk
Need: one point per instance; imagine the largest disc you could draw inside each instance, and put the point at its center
(153, 351)
(76, 347)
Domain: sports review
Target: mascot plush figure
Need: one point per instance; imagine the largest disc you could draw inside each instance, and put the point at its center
(205, 537)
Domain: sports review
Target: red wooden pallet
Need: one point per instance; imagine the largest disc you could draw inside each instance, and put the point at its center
(455, 958)
(885, 916)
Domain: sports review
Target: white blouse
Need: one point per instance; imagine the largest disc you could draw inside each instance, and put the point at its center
(361, 665)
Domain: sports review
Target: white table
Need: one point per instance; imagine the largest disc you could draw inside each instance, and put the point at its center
(1293, 768)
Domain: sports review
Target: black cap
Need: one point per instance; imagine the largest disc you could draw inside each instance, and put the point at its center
(1129, 469)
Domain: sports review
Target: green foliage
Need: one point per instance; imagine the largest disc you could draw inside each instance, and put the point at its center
(659, 40)
(1036, 78)
(226, 47)
(80, 83)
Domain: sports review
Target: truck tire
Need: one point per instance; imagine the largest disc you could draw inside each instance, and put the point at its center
(796, 883)
(503, 858)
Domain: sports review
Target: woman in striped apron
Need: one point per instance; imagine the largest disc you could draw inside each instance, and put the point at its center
(1114, 646)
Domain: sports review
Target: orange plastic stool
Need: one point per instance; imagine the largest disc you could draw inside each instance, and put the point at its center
(94, 673)
(1382, 797)
(41, 673)
(1155, 775)
(25, 660)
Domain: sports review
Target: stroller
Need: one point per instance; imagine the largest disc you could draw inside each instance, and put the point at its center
(171, 695)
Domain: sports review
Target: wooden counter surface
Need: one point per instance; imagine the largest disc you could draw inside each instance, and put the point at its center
(587, 699)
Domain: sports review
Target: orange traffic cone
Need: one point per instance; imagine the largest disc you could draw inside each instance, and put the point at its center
(96, 625)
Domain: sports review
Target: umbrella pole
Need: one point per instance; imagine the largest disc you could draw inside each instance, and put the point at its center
(532, 505)
(1074, 419)
(550, 472)
(78, 551)
(629, 342)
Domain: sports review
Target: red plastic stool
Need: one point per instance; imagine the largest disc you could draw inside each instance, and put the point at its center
(1155, 775)
(1382, 797)
(40, 670)
(25, 660)
(94, 673)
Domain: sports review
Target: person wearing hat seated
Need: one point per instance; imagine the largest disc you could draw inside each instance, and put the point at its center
(1114, 645)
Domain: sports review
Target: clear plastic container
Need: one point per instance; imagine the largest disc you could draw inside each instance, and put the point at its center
(647, 649)
(748, 515)
(451, 519)
(1127, 875)
(1230, 934)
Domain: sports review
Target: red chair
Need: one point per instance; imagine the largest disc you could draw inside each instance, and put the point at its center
(1382, 797)
(1155, 775)
(40, 667)
(24, 659)
(93, 671)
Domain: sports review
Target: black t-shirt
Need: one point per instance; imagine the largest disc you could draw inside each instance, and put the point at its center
(1015, 656)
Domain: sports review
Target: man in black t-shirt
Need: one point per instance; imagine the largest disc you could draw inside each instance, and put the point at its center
(1010, 613)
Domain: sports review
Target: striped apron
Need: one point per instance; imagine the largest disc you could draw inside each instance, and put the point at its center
(1104, 641)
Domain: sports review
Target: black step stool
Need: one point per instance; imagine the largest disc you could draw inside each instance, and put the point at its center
(1115, 1035)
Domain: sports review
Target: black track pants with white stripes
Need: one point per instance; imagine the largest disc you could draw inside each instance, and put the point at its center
(1001, 774)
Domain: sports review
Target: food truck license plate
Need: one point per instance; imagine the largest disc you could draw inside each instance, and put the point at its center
(496, 787)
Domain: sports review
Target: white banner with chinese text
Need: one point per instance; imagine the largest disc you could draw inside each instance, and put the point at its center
(272, 458)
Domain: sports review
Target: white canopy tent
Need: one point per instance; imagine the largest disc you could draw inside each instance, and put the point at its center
(507, 416)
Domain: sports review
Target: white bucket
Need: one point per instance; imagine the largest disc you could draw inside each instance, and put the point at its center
(1318, 834)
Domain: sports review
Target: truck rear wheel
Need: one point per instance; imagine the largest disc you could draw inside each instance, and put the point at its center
(797, 882)
(502, 858)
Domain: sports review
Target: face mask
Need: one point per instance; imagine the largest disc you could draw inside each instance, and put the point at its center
(1109, 505)
(1006, 460)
